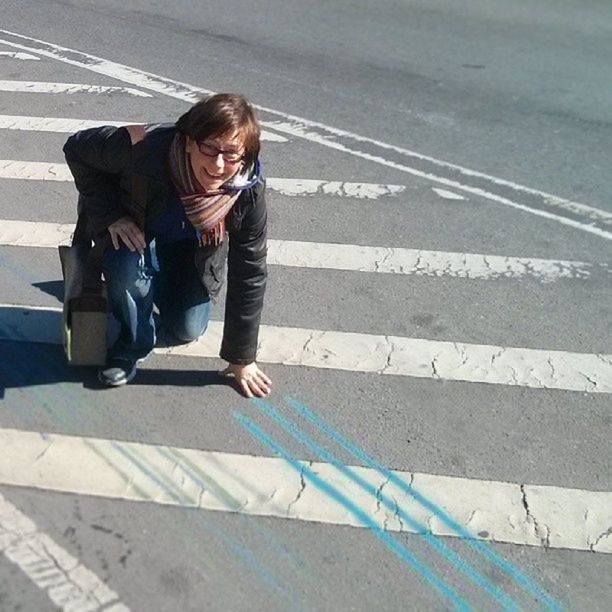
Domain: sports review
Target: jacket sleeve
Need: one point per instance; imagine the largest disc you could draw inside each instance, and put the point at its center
(246, 283)
(97, 157)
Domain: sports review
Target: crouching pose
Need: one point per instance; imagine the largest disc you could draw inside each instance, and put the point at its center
(177, 201)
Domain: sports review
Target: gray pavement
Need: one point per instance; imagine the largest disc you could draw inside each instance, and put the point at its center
(519, 93)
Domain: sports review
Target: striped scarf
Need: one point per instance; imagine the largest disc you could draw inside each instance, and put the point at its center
(206, 211)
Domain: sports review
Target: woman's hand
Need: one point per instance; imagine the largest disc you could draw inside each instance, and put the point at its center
(130, 234)
(251, 380)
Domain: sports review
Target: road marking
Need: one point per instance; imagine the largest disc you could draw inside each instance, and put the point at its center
(329, 136)
(447, 195)
(266, 486)
(69, 126)
(44, 171)
(593, 220)
(362, 518)
(331, 434)
(417, 262)
(34, 171)
(67, 88)
(18, 55)
(298, 187)
(594, 217)
(356, 352)
(66, 581)
(352, 257)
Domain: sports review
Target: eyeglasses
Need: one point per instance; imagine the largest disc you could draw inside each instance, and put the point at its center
(229, 157)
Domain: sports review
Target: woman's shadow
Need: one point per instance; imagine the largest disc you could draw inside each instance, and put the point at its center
(31, 355)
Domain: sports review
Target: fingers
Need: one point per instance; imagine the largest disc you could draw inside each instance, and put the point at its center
(259, 384)
(265, 379)
(129, 233)
(114, 239)
(250, 379)
(133, 238)
(245, 388)
(252, 387)
(138, 239)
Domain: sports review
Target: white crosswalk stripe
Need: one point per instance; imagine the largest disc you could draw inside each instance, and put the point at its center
(297, 187)
(67, 88)
(357, 352)
(44, 171)
(351, 257)
(18, 55)
(69, 126)
(420, 262)
(266, 486)
(447, 195)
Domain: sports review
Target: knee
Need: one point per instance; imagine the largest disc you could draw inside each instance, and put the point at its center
(186, 325)
(126, 272)
(187, 330)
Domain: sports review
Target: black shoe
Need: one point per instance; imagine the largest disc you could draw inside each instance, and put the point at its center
(117, 372)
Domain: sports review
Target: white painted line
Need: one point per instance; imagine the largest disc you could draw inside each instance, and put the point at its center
(351, 257)
(67, 88)
(329, 136)
(326, 135)
(44, 171)
(297, 187)
(34, 171)
(389, 260)
(592, 215)
(69, 126)
(34, 233)
(66, 581)
(18, 55)
(53, 124)
(447, 195)
(263, 486)
(356, 352)
(272, 137)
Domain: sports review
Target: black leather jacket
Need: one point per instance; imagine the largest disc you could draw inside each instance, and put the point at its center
(106, 168)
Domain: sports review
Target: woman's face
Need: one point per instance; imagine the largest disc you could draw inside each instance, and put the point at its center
(215, 160)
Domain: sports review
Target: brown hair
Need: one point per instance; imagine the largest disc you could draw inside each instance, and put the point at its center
(222, 114)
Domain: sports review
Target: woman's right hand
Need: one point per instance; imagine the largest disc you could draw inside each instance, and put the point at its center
(130, 234)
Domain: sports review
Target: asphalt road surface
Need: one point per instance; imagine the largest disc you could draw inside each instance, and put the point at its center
(437, 324)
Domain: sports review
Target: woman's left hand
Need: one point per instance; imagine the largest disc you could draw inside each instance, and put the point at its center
(251, 380)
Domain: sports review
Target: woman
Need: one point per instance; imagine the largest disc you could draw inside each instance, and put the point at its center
(177, 200)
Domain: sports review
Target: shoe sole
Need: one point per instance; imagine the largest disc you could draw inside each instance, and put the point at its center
(120, 382)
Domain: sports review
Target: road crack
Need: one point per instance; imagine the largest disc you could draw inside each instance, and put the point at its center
(542, 531)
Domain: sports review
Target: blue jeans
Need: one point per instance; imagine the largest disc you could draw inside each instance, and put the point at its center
(165, 275)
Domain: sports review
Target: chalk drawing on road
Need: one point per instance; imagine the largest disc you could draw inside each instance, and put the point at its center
(245, 483)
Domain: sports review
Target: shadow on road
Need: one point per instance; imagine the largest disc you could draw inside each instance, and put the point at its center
(29, 364)
(53, 288)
